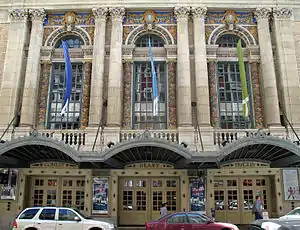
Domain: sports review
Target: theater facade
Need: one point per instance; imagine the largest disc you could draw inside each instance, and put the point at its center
(108, 155)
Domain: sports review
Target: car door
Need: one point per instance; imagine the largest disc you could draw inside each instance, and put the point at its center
(198, 222)
(67, 219)
(46, 219)
(177, 221)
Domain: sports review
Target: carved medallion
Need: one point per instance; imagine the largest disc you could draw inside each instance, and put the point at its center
(230, 19)
(69, 21)
(149, 19)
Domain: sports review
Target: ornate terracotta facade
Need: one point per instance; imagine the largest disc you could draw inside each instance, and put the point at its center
(213, 93)
(86, 94)
(43, 94)
(172, 122)
(127, 86)
(257, 99)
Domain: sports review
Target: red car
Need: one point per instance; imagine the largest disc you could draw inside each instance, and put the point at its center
(187, 221)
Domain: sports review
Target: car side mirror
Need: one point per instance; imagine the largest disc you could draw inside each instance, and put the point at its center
(76, 218)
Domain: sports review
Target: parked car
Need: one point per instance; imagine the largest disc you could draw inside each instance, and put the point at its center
(292, 215)
(58, 218)
(187, 221)
(275, 224)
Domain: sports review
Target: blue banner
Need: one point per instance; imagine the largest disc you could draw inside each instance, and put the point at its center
(68, 83)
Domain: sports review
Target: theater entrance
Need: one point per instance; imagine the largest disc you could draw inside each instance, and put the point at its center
(141, 198)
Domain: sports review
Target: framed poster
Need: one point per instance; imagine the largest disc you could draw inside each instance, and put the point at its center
(100, 195)
(8, 184)
(290, 184)
(197, 195)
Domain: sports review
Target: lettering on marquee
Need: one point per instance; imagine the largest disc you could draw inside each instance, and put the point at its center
(50, 164)
(149, 165)
(245, 164)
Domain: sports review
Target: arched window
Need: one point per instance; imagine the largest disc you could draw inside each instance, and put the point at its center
(156, 41)
(230, 90)
(142, 108)
(72, 41)
(229, 41)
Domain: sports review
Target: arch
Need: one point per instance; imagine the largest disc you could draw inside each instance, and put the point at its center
(71, 40)
(59, 33)
(239, 31)
(39, 141)
(157, 30)
(260, 138)
(142, 142)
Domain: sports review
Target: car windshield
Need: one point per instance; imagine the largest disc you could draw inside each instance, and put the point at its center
(82, 214)
(294, 212)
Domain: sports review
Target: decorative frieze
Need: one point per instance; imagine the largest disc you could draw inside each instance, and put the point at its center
(86, 94)
(117, 14)
(37, 14)
(100, 13)
(262, 13)
(182, 12)
(199, 12)
(18, 15)
(282, 13)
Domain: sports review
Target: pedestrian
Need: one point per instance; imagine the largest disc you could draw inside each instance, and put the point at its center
(257, 208)
(163, 210)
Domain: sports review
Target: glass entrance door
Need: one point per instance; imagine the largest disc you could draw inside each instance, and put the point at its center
(142, 198)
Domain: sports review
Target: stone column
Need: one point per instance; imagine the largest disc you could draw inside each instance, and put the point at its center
(43, 94)
(86, 94)
(271, 105)
(184, 111)
(13, 66)
(126, 120)
(213, 93)
(96, 99)
(202, 88)
(289, 82)
(257, 99)
(172, 94)
(32, 75)
(114, 107)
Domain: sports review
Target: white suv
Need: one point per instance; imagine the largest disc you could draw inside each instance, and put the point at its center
(58, 218)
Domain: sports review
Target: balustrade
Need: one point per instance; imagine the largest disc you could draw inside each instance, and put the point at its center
(171, 136)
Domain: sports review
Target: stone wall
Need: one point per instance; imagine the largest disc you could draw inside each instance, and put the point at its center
(3, 42)
(297, 42)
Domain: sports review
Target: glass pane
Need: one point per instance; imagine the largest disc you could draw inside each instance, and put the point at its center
(219, 199)
(157, 200)
(127, 200)
(141, 199)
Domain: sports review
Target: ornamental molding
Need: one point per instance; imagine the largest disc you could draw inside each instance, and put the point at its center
(100, 13)
(37, 14)
(182, 12)
(18, 15)
(199, 12)
(282, 13)
(117, 14)
(262, 13)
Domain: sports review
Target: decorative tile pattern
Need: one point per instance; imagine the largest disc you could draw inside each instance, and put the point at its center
(43, 94)
(257, 99)
(213, 94)
(132, 18)
(172, 95)
(58, 19)
(86, 95)
(218, 18)
(208, 30)
(47, 32)
(126, 119)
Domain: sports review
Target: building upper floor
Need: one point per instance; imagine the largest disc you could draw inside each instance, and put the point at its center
(199, 80)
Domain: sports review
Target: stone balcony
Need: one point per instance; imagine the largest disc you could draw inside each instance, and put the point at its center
(90, 140)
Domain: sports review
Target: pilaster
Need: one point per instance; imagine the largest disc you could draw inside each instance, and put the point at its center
(271, 103)
(13, 70)
(202, 87)
(114, 109)
(172, 122)
(288, 79)
(96, 91)
(184, 112)
(86, 94)
(256, 92)
(32, 75)
(213, 93)
(127, 86)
